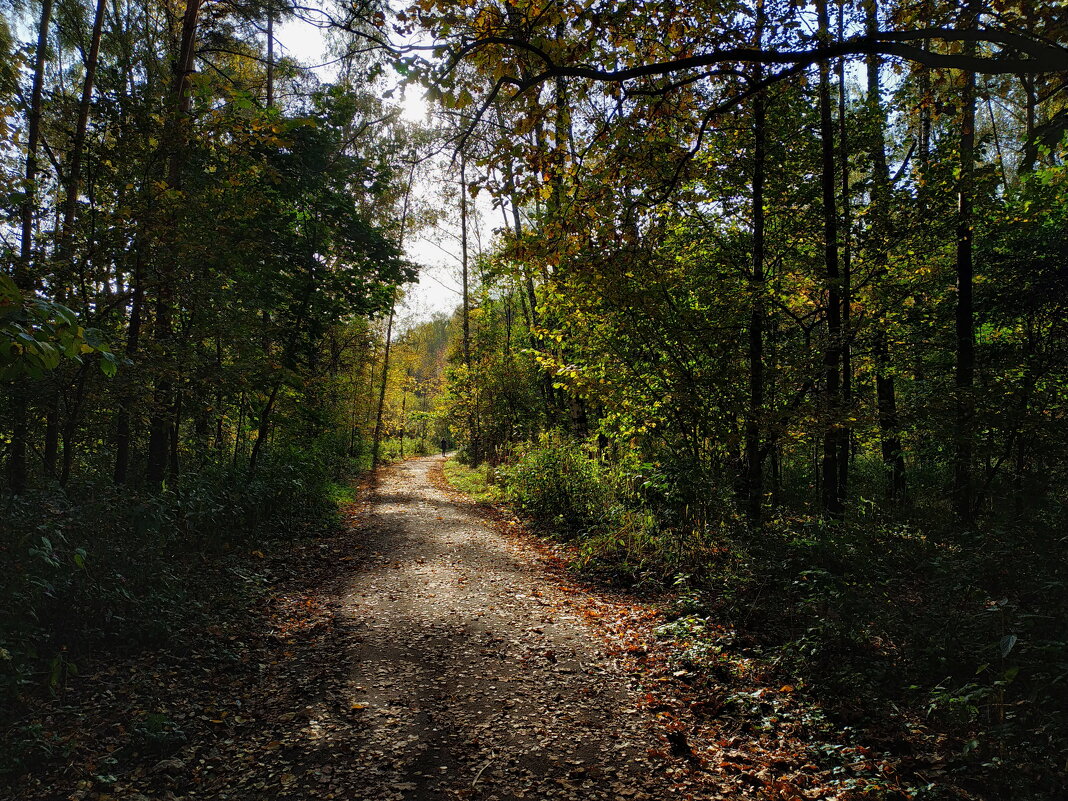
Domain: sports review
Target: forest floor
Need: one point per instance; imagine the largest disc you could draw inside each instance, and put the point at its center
(430, 649)
(426, 651)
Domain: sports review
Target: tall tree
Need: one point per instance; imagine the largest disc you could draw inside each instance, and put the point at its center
(885, 390)
(754, 453)
(964, 376)
(833, 487)
(24, 277)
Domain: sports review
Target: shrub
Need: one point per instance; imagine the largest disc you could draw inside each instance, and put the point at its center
(94, 566)
(560, 487)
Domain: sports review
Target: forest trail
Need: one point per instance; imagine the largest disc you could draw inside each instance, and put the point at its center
(473, 675)
(428, 650)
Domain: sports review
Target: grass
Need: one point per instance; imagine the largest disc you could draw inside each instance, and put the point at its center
(474, 481)
(339, 494)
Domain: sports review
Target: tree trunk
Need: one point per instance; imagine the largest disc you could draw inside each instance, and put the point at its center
(404, 414)
(754, 462)
(263, 427)
(23, 270)
(23, 275)
(846, 432)
(270, 56)
(74, 175)
(463, 261)
(964, 376)
(51, 435)
(160, 424)
(1030, 148)
(376, 439)
(133, 340)
(831, 496)
(885, 389)
(70, 427)
(66, 228)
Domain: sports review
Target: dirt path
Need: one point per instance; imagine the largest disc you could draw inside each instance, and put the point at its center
(422, 653)
(473, 676)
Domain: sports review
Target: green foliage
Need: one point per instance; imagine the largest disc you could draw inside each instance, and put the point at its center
(95, 567)
(36, 335)
(558, 485)
(478, 482)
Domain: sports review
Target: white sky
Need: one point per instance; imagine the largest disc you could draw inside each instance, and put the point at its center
(436, 251)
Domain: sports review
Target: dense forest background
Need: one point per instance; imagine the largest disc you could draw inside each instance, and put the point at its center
(203, 249)
(774, 322)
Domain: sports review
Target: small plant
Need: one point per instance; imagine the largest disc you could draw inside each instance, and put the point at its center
(560, 487)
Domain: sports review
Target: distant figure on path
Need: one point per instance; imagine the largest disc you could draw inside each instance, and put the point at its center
(444, 445)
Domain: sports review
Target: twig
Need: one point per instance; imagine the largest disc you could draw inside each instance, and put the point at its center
(482, 770)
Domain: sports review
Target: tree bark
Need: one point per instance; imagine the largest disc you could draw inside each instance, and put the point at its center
(376, 439)
(263, 427)
(23, 275)
(885, 390)
(964, 376)
(74, 175)
(463, 261)
(133, 341)
(754, 461)
(831, 496)
(270, 55)
(160, 433)
(846, 432)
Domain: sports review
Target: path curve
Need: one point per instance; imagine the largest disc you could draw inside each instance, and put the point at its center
(473, 674)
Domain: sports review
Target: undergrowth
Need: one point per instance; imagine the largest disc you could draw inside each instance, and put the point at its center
(478, 482)
(923, 638)
(94, 571)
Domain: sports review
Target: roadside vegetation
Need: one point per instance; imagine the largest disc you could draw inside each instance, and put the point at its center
(773, 329)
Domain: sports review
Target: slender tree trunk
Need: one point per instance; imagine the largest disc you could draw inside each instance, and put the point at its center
(404, 414)
(270, 56)
(376, 439)
(846, 433)
(238, 431)
(885, 389)
(51, 437)
(964, 377)
(70, 427)
(530, 307)
(463, 261)
(23, 269)
(74, 176)
(218, 397)
(370, 390)
(1030, 150)
(23, 275)
(832, 499)
(174, 457)
(264, 427)
(754, 461)
(66, 228)
(133, 341)
(160, 434)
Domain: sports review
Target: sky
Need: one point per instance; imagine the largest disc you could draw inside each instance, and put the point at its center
(436, 251)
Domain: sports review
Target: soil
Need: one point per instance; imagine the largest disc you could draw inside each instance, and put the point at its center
(474, 675)
(429, 650)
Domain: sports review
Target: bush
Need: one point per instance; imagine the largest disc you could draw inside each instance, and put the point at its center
(96, 566)
(560, 487)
